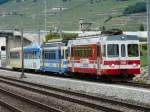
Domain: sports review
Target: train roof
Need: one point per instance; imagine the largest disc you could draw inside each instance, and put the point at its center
(122, 37)
(102, 38)
(54, 44)
(31, 47)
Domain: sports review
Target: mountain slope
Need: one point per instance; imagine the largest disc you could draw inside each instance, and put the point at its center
(108, 13)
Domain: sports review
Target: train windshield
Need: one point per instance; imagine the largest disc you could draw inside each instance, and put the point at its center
(113, 50)
(133, 50)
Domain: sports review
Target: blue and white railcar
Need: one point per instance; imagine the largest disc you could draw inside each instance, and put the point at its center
(32, 57)
(54, 57)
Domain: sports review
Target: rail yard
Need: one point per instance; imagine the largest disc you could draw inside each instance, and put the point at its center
(51, 95)
(74, 56)
(67, 75)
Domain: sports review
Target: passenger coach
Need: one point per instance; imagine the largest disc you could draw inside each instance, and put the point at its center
(104, 54)
(32, 55)
(54, 57)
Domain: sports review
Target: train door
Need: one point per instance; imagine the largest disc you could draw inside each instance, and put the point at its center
(122, 58)
(33, 60)
(62, 59)
(72, 58)
(0, 59)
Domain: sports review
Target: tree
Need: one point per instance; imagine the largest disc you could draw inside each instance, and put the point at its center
(141, 27)
(64, 0)
(137, 8)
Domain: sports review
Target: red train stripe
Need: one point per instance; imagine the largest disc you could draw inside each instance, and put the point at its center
(107, 71)
(122, 62)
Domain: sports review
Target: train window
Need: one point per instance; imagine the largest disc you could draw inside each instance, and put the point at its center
(3, 48)
(49, 55)
(86, 52)
(133, 50)
(79, 52)
(123, 51)
(35, 55)
(112, 50)
(63, 56)
(104, 51)
(82, 52)
(72, 52)
(90, 52)
(14, 55)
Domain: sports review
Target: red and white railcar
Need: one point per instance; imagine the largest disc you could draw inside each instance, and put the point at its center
(105, 55)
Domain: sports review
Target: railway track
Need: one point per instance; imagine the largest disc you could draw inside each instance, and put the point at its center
(9, 107)
(94, 102)
(15, 108)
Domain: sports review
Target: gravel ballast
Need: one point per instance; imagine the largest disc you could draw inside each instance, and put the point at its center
(132, 94)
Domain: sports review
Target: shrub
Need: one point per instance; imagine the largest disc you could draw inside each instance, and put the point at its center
(138, 7)
(65, 36)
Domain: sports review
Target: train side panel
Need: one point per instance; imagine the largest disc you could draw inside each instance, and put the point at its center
(15, 58)
(54, 59)
(32, 57)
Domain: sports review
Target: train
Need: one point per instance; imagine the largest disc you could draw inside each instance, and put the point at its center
(100, 55)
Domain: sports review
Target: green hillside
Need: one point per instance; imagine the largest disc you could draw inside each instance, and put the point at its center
(30, 14)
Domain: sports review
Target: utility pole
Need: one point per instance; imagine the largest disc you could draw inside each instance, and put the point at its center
(45, 4)
(60, 17)
(22, 55)
(148, 38)
(39, 37)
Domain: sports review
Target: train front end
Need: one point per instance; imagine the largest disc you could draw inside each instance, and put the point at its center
(121, 56)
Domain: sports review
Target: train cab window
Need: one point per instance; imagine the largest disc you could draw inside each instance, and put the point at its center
(113, 50)
(133, 50)
(3, 48)
(123, 51)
